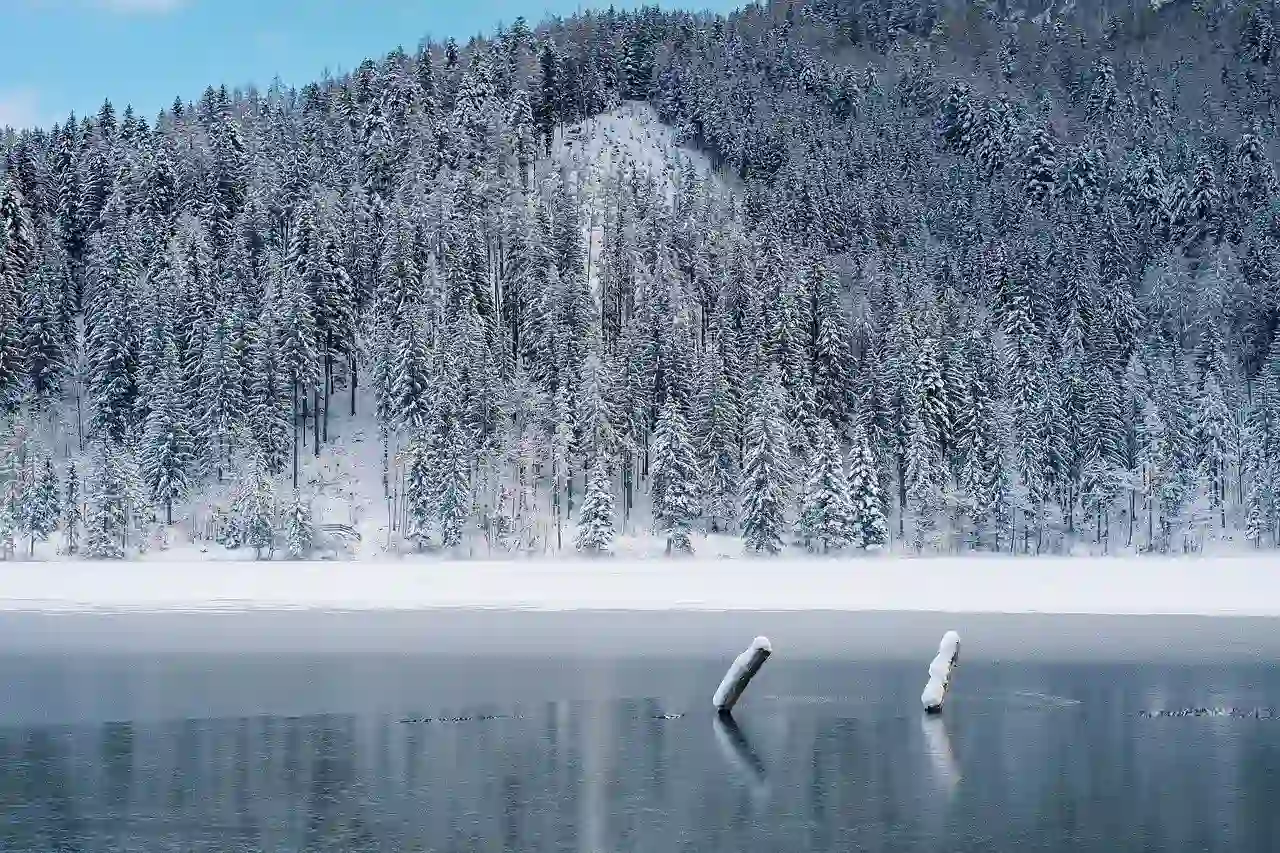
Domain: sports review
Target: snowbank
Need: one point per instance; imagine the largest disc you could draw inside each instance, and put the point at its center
(1220, 586)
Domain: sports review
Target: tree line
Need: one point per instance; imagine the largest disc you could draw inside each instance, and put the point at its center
(957, 280)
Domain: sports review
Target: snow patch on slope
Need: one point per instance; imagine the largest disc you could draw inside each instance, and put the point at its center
(599, 149)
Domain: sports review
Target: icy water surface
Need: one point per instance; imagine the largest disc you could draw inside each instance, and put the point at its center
(117, 745)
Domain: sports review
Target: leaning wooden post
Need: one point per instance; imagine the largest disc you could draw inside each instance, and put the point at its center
(741, 671)
(935, 692)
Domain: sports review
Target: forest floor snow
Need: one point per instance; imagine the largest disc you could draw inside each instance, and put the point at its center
(1208, 586)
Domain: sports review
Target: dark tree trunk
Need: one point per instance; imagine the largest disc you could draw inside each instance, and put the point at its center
(354, 378)
(315, 425)
(295, 434)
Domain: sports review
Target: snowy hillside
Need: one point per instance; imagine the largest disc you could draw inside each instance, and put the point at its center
(613, 146)
(354, 516)
(953, 286)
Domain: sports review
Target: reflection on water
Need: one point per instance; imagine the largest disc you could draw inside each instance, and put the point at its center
(945, 769)
(601, 773)
(742, 760)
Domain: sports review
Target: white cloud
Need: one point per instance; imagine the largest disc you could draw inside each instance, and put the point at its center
(19, 108)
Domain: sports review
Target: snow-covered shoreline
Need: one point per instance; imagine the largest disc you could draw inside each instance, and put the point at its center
(1210, 586)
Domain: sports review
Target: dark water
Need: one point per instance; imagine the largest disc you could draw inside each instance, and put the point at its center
(118, 749)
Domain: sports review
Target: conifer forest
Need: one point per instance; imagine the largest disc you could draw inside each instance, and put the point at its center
(827, 276)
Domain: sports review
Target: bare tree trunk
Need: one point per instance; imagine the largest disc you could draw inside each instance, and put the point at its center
(354, 381)
(295, 435)
(328, 391)
(1133, 496)
(315, 425)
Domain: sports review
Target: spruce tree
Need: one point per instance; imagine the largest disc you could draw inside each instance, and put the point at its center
(766, 474)
(46, 348)
(420, 491)
(595, 518)
(222, 406)
(1040, 167)
(675, 476)
(167, 456)
(270, 400)
(827, 520)
(255, 510)
(41, 507)
(833, 359)
(299, 529)
(111, 334)
(720, 441)
(10, 505)
(455, 500)
(106, 524)
(870, 528)
(598, 438)
(71, 512)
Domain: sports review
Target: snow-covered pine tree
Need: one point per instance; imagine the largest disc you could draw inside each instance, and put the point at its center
(412, 378)
(870, 527)
(456, 500)
(675, 477)
(71, 512)
(44, 330)
(297, 353)
(1213, 445)
(720, 433)
(925, 480)
(766, 470)
(420, 491)
(560, 443)
(827, 521)
(299, 528)
(595, 518)
(221, 408)
(9, 519)
(111, 345)
(41, 506)
(833, 358)
(598, 438)
(269, 400)
(167, 458)
(1039, 167)
(1262, 456)
(958, 124)
(983, 475)
(255, 509)
(106, 523)
(1104, 99)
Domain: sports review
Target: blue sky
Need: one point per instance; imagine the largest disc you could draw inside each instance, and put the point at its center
(63, 55)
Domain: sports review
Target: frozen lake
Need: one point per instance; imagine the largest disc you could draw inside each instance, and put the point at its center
(593, 732)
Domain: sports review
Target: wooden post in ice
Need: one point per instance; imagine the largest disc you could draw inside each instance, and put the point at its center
(935, 692)
(741, 671)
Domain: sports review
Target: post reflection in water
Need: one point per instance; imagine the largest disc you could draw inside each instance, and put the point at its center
(596, 772)
(742, 760)
(945, 769)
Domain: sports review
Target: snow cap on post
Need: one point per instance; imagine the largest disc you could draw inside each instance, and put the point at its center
(940, 669)
(741, 671)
